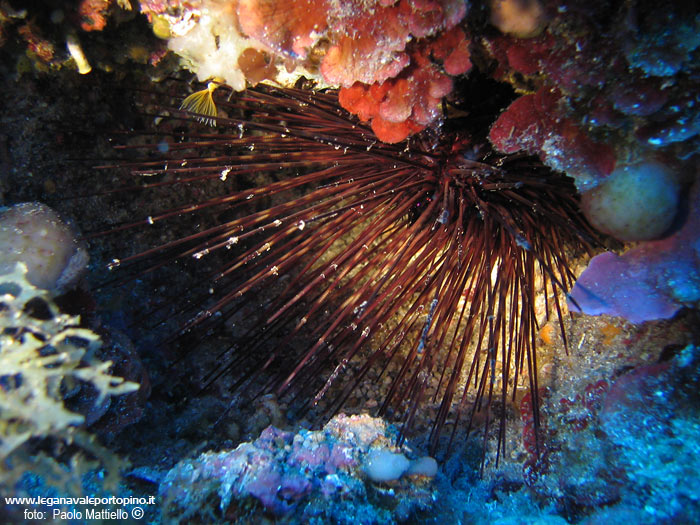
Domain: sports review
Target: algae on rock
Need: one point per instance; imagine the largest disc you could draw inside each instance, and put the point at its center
(43, 352)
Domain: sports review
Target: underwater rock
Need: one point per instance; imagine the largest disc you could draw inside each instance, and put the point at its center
(625, 80)
(34, 234)
(635, 203)
(650, 425)
(627, 442)
(660, 39)
(329, 475)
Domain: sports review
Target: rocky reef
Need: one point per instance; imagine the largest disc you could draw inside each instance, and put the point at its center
(607, 93)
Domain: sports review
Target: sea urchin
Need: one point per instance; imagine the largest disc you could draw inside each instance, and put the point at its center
(421, 261)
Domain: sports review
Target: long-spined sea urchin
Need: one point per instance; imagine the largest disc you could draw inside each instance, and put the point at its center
(430, 253)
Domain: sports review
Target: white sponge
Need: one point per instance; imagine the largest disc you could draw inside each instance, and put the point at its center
(34, 234)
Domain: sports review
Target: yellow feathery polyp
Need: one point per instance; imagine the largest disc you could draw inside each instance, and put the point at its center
(202, 102)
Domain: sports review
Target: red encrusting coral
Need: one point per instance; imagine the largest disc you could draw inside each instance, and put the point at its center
(536, 124)
(393, 60)
(366, 40)
(452, 49)
(288, 28)
(427, 17)
(372, 48)
(407, 104)
(366, 48)
(365, 101)
(37, 44)
(520, 54)
(93, 14)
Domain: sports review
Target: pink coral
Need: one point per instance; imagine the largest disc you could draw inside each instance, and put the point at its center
(307, 454)
(366, 40)
(369, 45)
(427, 17)
(342, 457)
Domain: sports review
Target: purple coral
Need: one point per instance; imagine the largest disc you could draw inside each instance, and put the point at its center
(651, 281)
